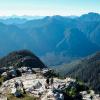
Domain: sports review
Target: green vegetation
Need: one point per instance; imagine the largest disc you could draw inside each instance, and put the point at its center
(74, 89)
(25, 97)
(71, 91)
(1, 80)
(80, 82)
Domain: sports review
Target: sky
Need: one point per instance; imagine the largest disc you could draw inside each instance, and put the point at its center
(48, 7)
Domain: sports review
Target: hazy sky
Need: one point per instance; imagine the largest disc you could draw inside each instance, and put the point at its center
(48, 7)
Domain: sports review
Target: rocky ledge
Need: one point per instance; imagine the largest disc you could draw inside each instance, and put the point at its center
(46, 88)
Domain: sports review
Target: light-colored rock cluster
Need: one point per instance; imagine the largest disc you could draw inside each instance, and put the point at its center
(90, 96)
(2, 97)
(35, 85)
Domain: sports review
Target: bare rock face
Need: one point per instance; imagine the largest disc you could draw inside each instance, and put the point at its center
(33, 84)
(2, 97)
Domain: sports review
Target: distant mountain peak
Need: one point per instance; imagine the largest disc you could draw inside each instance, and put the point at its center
(91, 16)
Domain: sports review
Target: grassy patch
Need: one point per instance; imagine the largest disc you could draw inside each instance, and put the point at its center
(71, 92)
(1, 80)
(25, 97)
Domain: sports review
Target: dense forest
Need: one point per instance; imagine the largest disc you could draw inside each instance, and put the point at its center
(87, 70)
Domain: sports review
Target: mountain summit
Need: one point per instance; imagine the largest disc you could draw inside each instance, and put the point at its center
(21, 58)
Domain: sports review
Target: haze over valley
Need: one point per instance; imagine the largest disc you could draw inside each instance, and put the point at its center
(55, 39)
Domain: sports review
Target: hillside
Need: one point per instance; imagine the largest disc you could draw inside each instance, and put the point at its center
(87, 69)
(21, 58)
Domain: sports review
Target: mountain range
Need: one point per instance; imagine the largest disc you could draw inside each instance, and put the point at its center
(55, 39)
